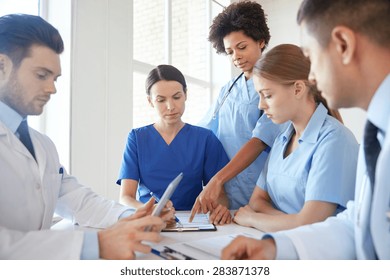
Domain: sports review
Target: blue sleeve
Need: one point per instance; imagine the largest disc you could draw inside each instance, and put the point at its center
(262, 180)
(215, 157)
(90, 249)
(333, 169)
(267, 131)
(130, 164)
(127, 213)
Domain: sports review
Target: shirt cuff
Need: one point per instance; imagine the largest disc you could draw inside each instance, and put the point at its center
(90, 249)
(285, 249)
(126, 213)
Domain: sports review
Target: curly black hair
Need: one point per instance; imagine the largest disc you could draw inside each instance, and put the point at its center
(243, 16)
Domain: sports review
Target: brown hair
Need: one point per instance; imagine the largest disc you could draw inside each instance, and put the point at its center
(18, 32)
(286, 64)
(368, 17)
(164, 72)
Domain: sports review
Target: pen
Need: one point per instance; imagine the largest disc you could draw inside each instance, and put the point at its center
(157, 200)
(164, 254)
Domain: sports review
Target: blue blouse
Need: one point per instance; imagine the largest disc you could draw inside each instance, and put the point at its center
(322, 168)
(147, 158)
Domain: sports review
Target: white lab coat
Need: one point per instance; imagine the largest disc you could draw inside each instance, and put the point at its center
(30, 193)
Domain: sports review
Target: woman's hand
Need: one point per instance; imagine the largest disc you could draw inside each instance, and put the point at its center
(243, 216)
(207, 199)
(220, 215)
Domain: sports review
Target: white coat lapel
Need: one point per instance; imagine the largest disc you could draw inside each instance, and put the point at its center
(14, 141)
(40, 152)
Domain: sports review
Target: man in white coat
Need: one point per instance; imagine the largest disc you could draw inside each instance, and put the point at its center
(33, 184)
(348, 43)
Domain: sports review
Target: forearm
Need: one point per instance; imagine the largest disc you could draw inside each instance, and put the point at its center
(263, 206)
(244, 157)
(312, 212)
(130, 201)
(273, 223)
(261, 202)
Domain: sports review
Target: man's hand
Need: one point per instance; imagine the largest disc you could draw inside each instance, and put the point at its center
(167, 213)
(124, 238)
(244, 248)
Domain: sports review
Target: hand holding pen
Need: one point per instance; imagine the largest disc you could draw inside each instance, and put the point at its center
(157, 199)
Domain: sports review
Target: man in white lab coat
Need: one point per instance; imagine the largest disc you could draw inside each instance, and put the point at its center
(348, 43)
(33, 184)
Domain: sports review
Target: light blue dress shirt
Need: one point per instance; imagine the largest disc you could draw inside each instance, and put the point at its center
(237, 121)
(322, 168)
(10, 117)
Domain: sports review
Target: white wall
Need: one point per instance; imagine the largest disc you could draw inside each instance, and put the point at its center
(284, 29)
(101, 84)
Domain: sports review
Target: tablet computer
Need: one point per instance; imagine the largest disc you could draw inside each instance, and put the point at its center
(166, 196)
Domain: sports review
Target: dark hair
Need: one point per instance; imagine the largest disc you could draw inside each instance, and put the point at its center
(369, 17)
(18, 32)
(243, 16)
(285, 64)
(164, 73)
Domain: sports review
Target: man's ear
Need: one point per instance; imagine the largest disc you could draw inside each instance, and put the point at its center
(6, 66)
(344, 40)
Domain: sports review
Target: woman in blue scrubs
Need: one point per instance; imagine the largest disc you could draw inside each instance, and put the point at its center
(310, 172)
(241, 32)
(155, 154)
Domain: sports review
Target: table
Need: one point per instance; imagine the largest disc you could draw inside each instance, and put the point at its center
(170, 238)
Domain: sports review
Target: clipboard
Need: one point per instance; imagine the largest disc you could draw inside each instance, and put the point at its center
(199, 223)
(179, 228)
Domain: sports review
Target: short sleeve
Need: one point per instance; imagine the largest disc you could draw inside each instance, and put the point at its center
(130, 163)
(267, 131)
(333, 169)
(215, 157)
(262, 180)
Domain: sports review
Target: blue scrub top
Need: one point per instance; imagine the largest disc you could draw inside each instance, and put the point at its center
(147, 158)
(237, 121)
(322, 168)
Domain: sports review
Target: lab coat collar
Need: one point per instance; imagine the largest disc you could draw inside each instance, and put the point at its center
(13, 141)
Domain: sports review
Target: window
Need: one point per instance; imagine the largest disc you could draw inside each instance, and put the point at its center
(19, 6)
(173, 32)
